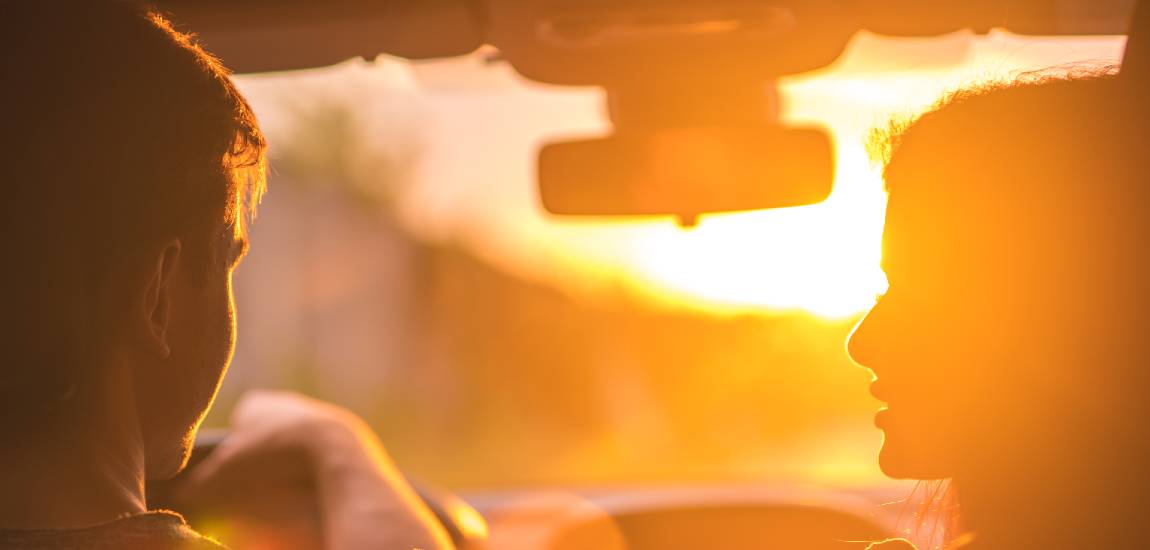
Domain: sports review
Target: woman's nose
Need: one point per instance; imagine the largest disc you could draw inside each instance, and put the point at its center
(864, 343)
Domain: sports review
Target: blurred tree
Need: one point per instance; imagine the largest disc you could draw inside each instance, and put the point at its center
(330, 147)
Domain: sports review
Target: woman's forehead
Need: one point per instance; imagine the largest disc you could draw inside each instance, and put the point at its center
(930, 233)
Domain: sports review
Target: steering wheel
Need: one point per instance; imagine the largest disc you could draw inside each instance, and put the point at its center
(463, 523)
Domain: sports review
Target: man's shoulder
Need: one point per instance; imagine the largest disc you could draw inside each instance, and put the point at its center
(149, 531)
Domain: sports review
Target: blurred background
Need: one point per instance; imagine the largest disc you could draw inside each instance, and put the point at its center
(401, 266)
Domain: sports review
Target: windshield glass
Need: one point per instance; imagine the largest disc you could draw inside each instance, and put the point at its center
(401, 266)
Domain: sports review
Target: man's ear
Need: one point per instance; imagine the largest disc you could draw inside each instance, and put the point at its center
(157, 302)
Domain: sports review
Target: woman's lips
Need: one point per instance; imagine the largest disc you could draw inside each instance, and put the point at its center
(882, 418)
(880, 392)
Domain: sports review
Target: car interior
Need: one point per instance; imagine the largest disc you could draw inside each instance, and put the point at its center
(590, 211)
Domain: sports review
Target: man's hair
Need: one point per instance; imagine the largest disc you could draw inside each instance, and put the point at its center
(119, 133)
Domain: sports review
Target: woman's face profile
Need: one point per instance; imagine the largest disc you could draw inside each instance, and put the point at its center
(941, 342)
(912, 342)
(969, 346)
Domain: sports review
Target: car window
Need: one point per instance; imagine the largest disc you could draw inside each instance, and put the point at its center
(402, 266)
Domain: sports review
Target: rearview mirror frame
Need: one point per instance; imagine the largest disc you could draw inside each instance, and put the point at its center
(686, 172)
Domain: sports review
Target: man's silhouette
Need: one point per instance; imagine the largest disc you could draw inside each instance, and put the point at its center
(131, 166)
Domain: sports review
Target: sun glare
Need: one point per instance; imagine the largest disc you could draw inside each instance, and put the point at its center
(824, 259)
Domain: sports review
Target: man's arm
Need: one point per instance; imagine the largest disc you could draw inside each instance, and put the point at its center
(287, 459)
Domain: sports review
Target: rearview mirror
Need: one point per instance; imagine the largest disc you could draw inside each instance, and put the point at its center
(685, 172)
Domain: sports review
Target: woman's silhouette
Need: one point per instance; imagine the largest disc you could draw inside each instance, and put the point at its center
(1009, 347)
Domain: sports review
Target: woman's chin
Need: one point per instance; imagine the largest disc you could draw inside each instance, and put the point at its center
(900, 459)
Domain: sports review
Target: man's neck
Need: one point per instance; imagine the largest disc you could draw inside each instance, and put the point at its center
(71, 480)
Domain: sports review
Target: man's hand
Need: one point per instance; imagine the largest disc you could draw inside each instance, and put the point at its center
(298, 473)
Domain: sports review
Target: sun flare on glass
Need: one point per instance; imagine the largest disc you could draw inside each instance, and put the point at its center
(823, 259)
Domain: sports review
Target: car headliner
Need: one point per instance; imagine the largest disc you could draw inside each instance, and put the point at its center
(273, 35)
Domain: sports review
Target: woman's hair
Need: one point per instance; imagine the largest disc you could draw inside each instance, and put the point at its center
(884, 141)
(119, 133)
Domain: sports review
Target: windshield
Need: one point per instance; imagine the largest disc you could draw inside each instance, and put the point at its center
(401, 266)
